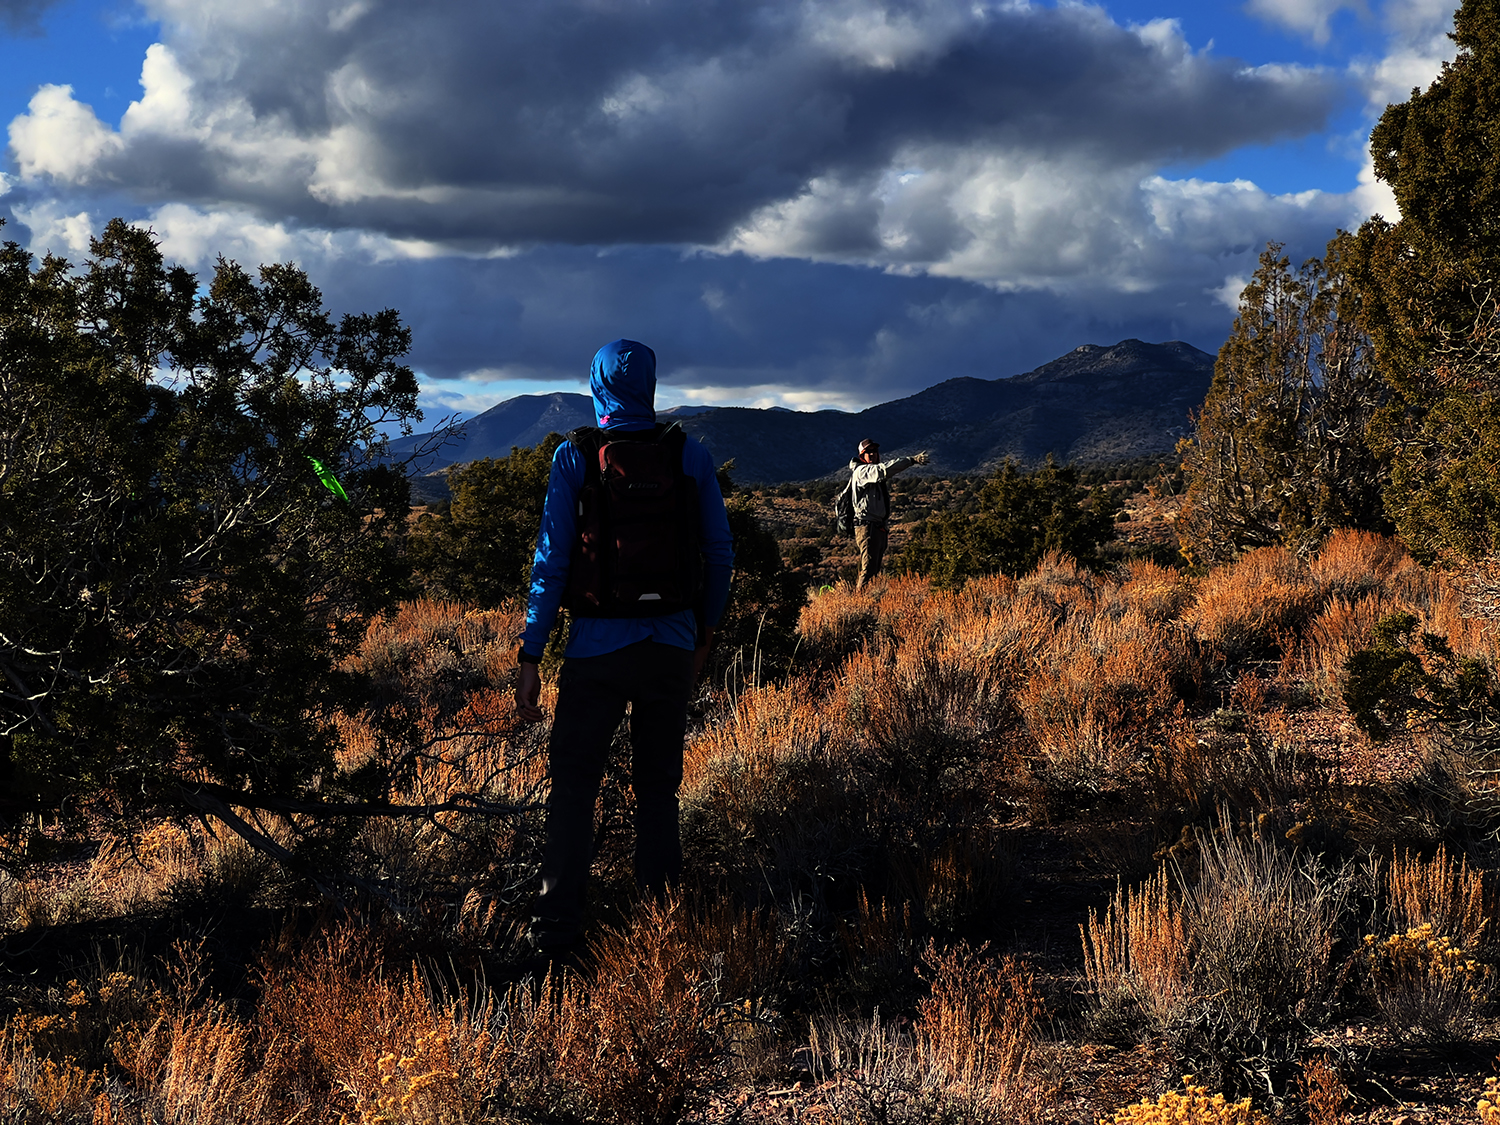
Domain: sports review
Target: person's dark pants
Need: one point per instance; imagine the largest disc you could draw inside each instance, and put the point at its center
(871, 540)
(656, 680)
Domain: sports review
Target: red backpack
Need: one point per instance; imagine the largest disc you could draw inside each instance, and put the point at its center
(636, 552)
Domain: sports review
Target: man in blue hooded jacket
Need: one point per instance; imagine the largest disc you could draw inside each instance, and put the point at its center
(649, 663)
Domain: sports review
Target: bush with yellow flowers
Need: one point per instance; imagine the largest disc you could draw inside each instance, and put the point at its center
(1489, 1102)
(1195, 1106)
(1424, 985)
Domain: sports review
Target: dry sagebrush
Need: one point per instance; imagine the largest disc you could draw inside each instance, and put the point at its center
(964, 1060)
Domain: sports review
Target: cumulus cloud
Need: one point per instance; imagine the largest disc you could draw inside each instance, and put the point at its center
(1418, 46)
(1309, 17)
(477, 125)
(60, 137)
(799, 202)
(1067, 225)
(55, 229)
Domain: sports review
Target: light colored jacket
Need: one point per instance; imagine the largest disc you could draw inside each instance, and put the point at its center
(872, 496)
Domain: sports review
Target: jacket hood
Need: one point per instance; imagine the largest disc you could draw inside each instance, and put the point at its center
(623, 382)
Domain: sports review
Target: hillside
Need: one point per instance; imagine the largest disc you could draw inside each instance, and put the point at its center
(1094, 405)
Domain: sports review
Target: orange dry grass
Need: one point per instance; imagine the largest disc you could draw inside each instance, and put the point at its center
(1350, 564)
(771, 778)
(1135, 952)
(1323, 1092)
(963, 879)
(769, 727)
(443, 725)
(193, 1066)
(1158, 593)
(1250, 606)
(652, 1006)
(1102, 687)
(920, 710)
(878, 939)
(1060, 582)
(376, 1048)
(130, 872)
(838, 619)
(976, 1027)
(1337, 633)
(965, 1058)
(1450, 897)
(1364, 578)
(630, 1042)
(36, 1087)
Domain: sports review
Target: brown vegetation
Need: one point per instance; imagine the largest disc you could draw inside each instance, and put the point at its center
(883, 848)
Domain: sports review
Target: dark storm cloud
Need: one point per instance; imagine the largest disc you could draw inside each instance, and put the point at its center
(733, 322)
(638, 122)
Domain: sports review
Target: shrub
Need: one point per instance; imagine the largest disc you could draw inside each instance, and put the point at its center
(1246, 609)
(1193, 1107)
(1136, 957)
(963, 1061)
(651, 1010)
(977, 1024)
(34, 1087)
(1323, 1092)
(1414, 679)
(923, 715)
(1158, 593)
(1022, 517)
(1352, 563)
(1424, 977)
(178, 585)
(879, 945)
(197, 1066)
(770, 798)
(1101, 690)
(1264, 927)
(1425, 986)
(1340, 630)
(836, 621)
(480, 549)
(1234, 966)
(1449, 897)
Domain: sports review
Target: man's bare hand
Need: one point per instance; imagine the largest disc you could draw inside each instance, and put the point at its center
(529, 693)
(700, 655)
(921, 458)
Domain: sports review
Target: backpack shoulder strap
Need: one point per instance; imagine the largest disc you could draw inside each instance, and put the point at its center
(671, 433)
(588, 440)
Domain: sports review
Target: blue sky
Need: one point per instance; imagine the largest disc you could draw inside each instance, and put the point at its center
(819, 203)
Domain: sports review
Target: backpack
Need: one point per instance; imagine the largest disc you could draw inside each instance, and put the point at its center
(636, 550)
(843, 510)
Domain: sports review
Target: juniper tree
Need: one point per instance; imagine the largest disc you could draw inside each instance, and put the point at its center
(1279, 452)
(1020, 517)
(177, 584)
(479, 549)
(1429, 282)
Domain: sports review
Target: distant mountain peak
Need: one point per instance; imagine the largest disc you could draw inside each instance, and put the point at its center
(1094, 404)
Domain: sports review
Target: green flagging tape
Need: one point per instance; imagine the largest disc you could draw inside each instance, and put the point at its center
(329, 479)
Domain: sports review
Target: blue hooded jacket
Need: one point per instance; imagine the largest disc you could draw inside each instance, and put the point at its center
(623, 383)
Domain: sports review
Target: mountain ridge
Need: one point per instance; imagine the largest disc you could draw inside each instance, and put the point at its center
(1092, 405)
